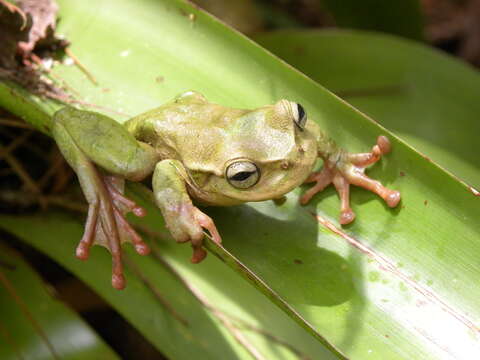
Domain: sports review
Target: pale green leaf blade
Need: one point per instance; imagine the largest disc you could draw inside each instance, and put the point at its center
(377, 277)
(35, 325)
(204, 336)
(426, 97)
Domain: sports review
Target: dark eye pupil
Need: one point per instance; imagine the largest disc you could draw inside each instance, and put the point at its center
(301, 112)
(242, 175)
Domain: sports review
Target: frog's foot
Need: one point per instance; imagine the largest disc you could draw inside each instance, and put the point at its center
(350, 169)
(106, 225)
(205, 222)
(187, 223)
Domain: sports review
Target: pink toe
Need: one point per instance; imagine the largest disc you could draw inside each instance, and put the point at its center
(346, 217)
(393, 199)
(139, 211)
(118, 281)
(198, 255)
(384, 144)
(142, 249)
(82, 251)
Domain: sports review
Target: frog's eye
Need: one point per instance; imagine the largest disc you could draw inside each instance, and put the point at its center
(242, 174)
(300, 116)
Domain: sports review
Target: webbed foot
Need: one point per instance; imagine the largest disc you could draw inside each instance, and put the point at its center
(187, 224)
(106, 225)
(348, 168)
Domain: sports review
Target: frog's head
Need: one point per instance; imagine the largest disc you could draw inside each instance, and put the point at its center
(269, 151)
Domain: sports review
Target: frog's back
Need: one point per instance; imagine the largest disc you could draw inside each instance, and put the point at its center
(189, 129)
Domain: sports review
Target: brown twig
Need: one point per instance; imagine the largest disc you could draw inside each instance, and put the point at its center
(81, 66)
(16, 123)
(21, 173)
(54, 165)
(14, 144)
(66, 203)
(37, 150)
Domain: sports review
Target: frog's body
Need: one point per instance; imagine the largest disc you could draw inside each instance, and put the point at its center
(207, 137)
(211, 153)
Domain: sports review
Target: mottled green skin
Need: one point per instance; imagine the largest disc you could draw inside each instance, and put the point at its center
(207, 137)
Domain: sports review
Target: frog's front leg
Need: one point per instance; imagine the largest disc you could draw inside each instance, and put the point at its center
(87, 139)
(182, 218)
(342, 169)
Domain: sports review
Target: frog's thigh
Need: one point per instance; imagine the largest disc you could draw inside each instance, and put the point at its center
(104, 141)
(78, 161)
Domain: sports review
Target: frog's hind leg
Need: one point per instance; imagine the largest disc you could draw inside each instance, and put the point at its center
(106, 224)
(101, 226)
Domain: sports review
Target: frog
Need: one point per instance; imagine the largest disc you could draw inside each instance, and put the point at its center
(200, 153)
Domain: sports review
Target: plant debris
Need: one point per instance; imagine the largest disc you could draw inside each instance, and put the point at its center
(28, 43)
(33, 172)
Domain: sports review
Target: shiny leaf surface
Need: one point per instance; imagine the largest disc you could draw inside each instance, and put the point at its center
(395, 284)
(35, 325)
(426, 97)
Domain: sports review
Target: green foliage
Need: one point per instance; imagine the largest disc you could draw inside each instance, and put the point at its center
(399, 17)
(427, 98)
(34, 325)
(395, 284)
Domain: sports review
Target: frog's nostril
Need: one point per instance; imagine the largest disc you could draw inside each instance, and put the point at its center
(285, 165)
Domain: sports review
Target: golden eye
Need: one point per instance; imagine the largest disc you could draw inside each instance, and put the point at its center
(300, 117)
(242, 174)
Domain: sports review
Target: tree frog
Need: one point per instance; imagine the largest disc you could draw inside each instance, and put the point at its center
(215, 155)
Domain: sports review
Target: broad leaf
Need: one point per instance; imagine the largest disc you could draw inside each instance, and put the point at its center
(424, 96)
(184, 327)
(385, 287)
(399, 17)
(34, 325)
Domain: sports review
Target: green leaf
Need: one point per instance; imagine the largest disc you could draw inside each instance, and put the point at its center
(399, 17)
(395, 284)
(189, 329)
(34, 325)
(427, 98)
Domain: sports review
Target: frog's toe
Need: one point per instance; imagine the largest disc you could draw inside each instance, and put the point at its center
(348, 169)
(198, 255)
(393, 198)
(106, 225)
(118, 281)
(322, 179)
(206, 222)
(347, 216)
(114, 186)
(188, 225)
(83, 249)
